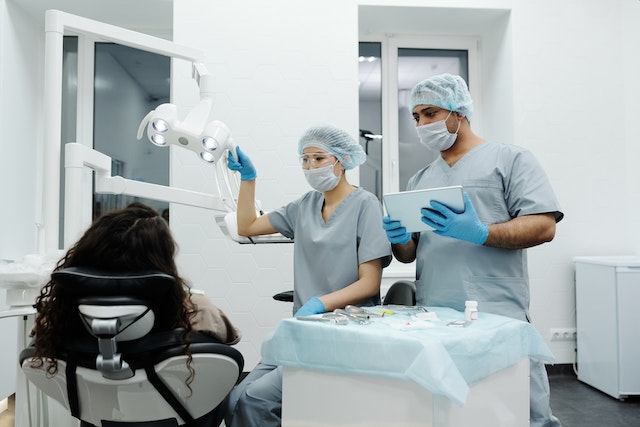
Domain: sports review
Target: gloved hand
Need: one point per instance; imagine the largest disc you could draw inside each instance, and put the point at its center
(313, 306)
(240, 162)
(396, 233)
(463, 226)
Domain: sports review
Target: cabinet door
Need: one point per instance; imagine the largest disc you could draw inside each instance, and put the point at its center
(628, 331)
(596, 325)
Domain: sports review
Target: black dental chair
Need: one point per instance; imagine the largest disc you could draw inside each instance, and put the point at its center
(402, 292)
(130, 368)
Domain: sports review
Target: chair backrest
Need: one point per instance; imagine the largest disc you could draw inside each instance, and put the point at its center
(133, 371)
(402, 292)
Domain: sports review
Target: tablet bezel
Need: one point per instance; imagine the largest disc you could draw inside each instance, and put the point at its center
(405, 206)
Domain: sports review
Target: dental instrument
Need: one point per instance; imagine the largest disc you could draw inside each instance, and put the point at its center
(333, 318)
(358, 318)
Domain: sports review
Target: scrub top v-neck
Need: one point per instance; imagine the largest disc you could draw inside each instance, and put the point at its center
(327, 254)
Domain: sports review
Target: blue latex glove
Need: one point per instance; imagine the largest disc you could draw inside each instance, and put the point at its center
(313, 306)
(242, 164)
(396, 233)
(463, 226)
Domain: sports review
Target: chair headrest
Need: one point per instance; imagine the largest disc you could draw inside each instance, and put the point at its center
(98, 287)
(84, 281)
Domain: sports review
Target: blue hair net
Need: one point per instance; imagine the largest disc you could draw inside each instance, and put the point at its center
(335, 141)
(445, 91)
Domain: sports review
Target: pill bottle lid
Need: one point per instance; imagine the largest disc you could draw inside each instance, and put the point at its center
(471, 303)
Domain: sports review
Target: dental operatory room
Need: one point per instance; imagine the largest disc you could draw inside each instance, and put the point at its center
(158, 266)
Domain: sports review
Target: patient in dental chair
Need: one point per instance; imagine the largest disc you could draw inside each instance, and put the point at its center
(133, 239)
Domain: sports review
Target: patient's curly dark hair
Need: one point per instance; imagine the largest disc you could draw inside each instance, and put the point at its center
(132, 239)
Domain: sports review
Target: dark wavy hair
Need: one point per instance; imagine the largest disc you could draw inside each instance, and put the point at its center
(132, 239)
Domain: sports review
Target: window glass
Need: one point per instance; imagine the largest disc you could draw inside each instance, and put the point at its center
(128, 83)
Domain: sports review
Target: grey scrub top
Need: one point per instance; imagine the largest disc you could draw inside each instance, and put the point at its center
(327, 255)
(503, 182)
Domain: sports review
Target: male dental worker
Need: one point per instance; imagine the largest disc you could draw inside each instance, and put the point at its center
(479, 254)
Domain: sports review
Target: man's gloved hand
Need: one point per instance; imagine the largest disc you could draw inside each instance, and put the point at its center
(396, 233)
(240, 162)
(463, 226)
(313, 306)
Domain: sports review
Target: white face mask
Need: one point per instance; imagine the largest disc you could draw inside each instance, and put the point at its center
(436, 136)
(322, 179)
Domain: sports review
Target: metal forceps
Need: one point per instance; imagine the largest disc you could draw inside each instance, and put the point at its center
(333, 318)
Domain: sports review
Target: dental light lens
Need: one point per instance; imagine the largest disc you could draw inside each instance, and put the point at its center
(207, 157)
(158, 140)
(160, 125)
(209, 143)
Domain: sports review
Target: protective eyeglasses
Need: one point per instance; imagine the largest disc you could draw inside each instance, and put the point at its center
(312, 160)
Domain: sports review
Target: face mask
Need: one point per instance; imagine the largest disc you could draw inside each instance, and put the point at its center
(322, 179)
(436, 136)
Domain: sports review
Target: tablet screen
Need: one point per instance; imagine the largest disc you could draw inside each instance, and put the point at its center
(405, 206)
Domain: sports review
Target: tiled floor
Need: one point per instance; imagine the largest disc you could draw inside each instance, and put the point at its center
(577, 404)
(573, 402)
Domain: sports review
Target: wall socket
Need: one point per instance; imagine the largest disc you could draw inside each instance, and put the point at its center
(563, 334)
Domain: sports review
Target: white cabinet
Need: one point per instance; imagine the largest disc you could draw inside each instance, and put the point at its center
(607, 321)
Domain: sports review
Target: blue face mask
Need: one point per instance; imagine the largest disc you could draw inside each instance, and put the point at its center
(322, 179)
(436, 136)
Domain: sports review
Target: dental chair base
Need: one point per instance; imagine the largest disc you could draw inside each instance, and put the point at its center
(500, 400)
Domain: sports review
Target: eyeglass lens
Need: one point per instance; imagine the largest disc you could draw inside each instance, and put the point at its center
(315, 159)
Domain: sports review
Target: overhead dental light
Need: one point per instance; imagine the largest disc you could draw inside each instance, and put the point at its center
(210, 139)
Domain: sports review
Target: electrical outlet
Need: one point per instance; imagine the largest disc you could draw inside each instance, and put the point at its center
(563, 334)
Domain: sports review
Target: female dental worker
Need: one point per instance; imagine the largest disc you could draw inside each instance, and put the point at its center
(339, 251)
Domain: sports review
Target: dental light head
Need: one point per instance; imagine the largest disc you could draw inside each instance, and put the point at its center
(209, 139)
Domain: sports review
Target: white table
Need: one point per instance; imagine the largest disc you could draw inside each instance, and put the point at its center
(422, 374)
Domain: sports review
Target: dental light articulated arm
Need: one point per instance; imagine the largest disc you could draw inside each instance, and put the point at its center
(79, 158)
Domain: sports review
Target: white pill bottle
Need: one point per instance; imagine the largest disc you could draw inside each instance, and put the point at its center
(471, 310)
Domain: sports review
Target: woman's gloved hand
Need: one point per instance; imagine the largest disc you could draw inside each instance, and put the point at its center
(240, 162)
(313, 306)
(463, 226)
(396, 233)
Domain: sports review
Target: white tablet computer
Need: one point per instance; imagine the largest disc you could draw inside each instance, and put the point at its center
(405, 206)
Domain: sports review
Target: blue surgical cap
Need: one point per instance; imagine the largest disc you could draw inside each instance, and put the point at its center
(445, 91)
(335, 141)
